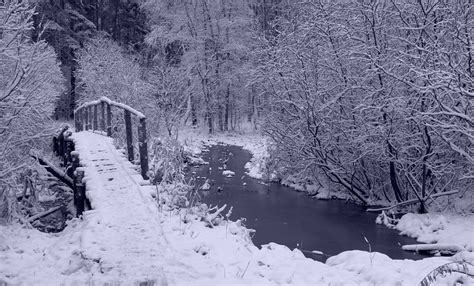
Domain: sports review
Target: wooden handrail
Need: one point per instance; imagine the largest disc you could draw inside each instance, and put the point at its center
(112, 103)
(86, 117)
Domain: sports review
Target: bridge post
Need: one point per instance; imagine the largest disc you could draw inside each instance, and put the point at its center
(79, 192)
(89, 111)
(68, 148)
(95, 127)
(61, 143)
(109, 120)
(102, 117)
(129, 135)
(86, 119)
(74, 164)
(77, 121)
(143, 148)
(80, 115)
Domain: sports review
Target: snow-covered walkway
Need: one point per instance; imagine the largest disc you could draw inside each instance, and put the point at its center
(123, 227)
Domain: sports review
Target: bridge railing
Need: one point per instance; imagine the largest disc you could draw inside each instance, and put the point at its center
(97, 116)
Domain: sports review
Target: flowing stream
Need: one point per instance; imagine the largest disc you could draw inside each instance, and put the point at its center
(282, 215)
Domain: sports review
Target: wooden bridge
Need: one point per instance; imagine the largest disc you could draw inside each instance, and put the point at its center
(121, 222)
(90, 156)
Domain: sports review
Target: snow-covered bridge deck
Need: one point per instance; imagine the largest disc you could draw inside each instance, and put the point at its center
(123, 231)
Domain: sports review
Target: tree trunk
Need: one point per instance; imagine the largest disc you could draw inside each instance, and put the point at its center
(226, 111)
(394, 182)
(393, 174)
(209, 123)
(72, 97)
(116, 28)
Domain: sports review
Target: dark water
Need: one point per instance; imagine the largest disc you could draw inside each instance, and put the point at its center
(280, 214)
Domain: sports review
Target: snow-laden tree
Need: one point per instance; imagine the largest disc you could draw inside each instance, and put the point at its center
(377, 95)
(210, 40)
(104, 69)
(30, 82)
(170, 100)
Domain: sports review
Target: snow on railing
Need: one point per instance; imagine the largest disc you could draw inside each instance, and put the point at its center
(86, 117)
(112, 103)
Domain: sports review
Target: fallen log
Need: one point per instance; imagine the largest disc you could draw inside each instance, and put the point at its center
(413, 201)
(42, 214)
(451, 248)
(53, 170)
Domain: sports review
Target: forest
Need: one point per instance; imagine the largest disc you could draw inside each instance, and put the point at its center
(372, 98)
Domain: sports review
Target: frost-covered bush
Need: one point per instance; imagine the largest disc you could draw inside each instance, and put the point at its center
(167, 165)
(30, 82)
(168, 160)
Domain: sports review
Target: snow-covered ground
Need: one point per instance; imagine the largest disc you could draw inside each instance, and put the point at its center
(195, 254)
(128, 239)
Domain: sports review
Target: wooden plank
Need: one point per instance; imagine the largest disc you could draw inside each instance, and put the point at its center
(143, 148)
(129, 134)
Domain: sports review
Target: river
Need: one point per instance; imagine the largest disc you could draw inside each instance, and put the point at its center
(282, 215)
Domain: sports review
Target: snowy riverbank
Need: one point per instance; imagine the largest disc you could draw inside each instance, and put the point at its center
(442, 232)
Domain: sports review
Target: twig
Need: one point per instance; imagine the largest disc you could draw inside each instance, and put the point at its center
(245, 271)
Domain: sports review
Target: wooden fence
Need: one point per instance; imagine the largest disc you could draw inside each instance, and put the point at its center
(97, 116)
